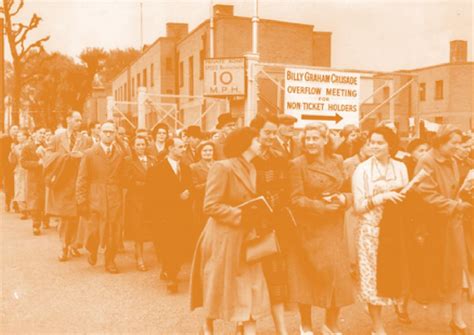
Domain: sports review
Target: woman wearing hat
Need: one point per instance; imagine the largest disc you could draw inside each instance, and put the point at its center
(446, 263)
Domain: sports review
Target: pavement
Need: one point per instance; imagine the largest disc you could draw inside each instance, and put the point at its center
(43, 296)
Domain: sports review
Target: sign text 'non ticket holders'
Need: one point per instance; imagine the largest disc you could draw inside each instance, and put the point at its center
(327, 96)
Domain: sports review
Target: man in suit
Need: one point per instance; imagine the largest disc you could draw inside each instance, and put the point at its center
(168, 206)
(157, 149)
(6, 168)
(99, 195)
(194, 138)
(31, 159)
(61, 166)
(285, 141)
(225, 125)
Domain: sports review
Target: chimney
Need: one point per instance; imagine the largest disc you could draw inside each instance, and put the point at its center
(223, 10)
(458, 51)
(176, 30)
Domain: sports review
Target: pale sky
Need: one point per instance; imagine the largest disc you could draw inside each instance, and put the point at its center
(367, 35)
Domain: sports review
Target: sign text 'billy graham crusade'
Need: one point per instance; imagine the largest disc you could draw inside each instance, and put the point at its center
(326, 96)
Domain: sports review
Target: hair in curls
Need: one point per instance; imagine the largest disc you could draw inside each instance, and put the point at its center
(238, 141)
(389, 136)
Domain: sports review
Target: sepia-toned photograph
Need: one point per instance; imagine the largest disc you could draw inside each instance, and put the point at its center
(237, 167)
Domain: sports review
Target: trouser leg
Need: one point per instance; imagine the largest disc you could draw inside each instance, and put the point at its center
(67, 230)
(36, 218)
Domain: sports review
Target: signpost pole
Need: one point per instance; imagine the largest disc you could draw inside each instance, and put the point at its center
(251, 96)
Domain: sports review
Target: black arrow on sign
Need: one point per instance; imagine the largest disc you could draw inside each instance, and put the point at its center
(336, 117)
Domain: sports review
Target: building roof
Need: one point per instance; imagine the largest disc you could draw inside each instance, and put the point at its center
(435, 66)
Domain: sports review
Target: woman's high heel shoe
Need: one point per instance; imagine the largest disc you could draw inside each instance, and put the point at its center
(456, 330)
(402, 315)
(305, 332)
(325, 330)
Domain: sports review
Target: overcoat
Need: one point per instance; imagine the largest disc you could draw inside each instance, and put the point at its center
(444, 248)
(295, 149)
(60, 170)
(169, 215)
(30, 161)
(199, 172)
(157, 155)
(189, 157)
(136, 227)
(99, 187)
(221, 280)
(320, 275)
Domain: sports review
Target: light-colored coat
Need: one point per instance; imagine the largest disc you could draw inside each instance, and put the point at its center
(221, 281)
(62, 168)
(99, 186)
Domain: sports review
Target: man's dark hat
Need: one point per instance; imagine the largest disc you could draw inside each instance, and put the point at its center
(224, 119)
(194, 131)
(286, 119)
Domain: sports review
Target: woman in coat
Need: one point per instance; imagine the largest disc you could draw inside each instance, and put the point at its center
(222, 282)
(199, 171)
(32, 161)
(136, 167)
(446, 255)
(19, 173)
(374, 184)
(319, 274)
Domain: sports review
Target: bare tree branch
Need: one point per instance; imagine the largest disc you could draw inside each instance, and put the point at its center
(20, 6)
(37, 44)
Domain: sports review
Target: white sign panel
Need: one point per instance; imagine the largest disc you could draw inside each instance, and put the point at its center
(224, 77)
(326, 96)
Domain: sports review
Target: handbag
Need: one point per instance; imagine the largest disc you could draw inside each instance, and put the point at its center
(261, 246)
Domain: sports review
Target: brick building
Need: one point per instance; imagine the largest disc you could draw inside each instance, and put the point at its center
(440, 93)
(174, 64)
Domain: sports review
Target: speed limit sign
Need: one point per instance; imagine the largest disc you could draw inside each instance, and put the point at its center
(224, 77)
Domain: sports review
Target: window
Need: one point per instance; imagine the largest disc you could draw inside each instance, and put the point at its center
(422, 91)
(169, 64)
(168, 91)
(126, 92)
(439, 90)
(144, 78)
(115, 95)
(152, 75)
(386, 92)
(181, 73)
(133, 87)
(191, 76)
(439, 119)
(138, 81)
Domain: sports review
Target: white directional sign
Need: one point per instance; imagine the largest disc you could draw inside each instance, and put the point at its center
(224, 77)
(326, 96)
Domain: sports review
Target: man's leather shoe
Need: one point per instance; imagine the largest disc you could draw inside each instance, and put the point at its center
(111, 268)
(172, 287)
(92, 259)
(36, 231)
(63, 255)
(163, 275)
(74, 252)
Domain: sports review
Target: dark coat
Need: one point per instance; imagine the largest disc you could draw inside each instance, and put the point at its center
(321, 275)
(99, 188)
(31, 161)
(157, 155)
(60, 170)
(295, 149)
(443, 244)
(189, 157)
(136, 227)
(219, 148)
(170, 216)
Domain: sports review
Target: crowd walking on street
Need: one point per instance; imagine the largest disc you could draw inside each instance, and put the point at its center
(270, 217)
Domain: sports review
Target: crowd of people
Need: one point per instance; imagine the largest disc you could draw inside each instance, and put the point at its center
(268, 215)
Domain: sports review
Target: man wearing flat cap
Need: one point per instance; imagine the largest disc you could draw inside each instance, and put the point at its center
(285, 141)
(225, 124)
(194, 137)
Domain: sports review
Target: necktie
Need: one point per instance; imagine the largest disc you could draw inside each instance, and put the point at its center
(108, 152)
(72, 140)
(288, 147)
